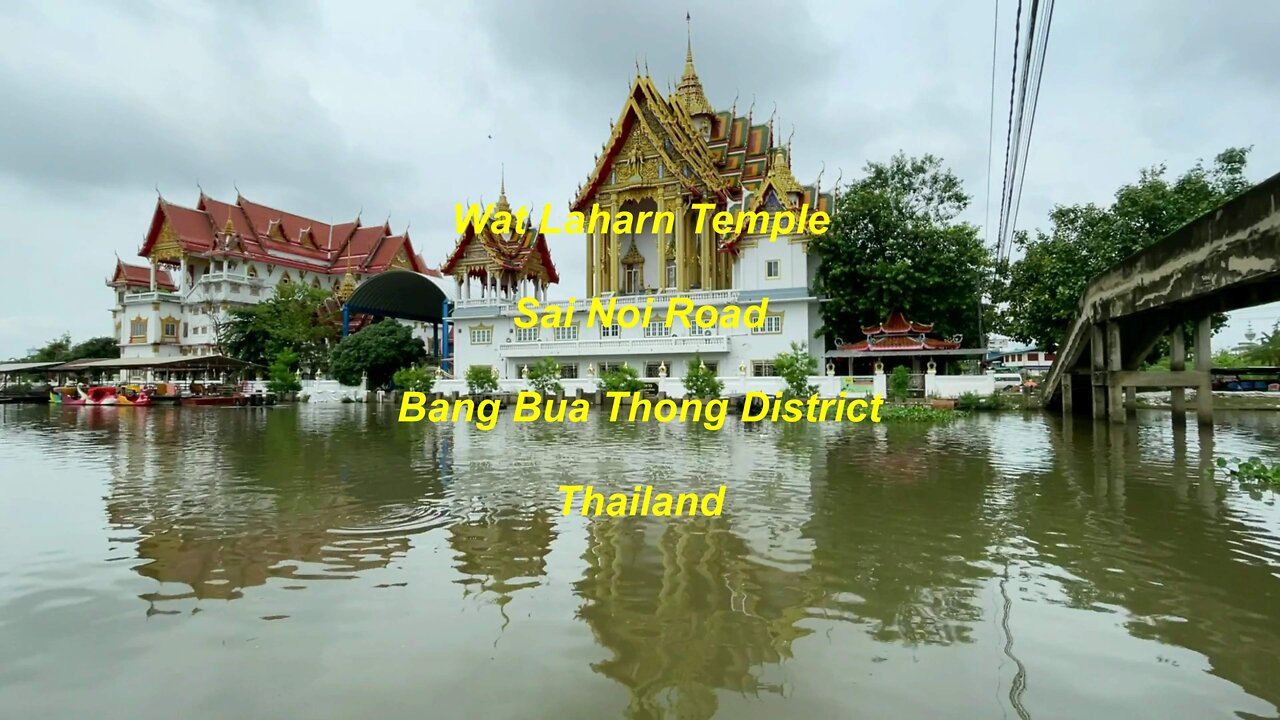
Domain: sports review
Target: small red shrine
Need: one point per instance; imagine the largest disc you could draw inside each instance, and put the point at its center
(898, 334)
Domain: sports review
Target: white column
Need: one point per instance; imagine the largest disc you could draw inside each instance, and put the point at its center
(153, 275)
(182, 275)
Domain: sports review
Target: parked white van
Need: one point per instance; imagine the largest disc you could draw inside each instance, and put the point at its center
(1004, 381)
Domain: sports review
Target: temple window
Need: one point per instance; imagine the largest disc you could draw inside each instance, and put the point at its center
(632, 283)
(285, 279)
(714, 367)
(657, 328)
(610, 331)
(608, 367)
(762, 368)
(481, 336)
(138, 329)
(772, 325)
(527, 334)
(653, 368)
(566, 333)
(772, 269)
(253, 271)
(671, 272)
(569, 372)
(169, 329)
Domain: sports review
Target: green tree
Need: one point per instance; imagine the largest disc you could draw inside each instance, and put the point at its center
(293, 319)
(624, 379)
(899, 383)
(481, 379)
(1043, 288)
(418, 378)
(282, 374)
(700, 381)
(895, 243)
(545, 377)
(1267, 350)
(56, 350)
(99, 347)
(378, 351)
(796, 366)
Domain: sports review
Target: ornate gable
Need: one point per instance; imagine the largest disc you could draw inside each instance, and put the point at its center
(653, 143)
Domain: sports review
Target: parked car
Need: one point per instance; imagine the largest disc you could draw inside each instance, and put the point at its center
(1011, 382)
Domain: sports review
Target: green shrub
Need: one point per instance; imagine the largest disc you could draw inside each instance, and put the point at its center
(700, 381)
(796, 366)
(481, 379)
(417, 379)
(545, 377)
(624, 379)
(281, 377)
(899, 384)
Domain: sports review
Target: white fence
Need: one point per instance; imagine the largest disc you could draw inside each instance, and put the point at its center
(953, 386)
(828, 387)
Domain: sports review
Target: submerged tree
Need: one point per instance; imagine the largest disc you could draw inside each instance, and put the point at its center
(545, 377)
(796, 366)
(895, 243)
(700, 381)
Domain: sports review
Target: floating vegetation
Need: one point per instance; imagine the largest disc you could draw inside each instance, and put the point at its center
(917, 413)
(1254, 471)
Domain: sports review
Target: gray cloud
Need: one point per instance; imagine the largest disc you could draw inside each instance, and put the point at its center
(405, 109)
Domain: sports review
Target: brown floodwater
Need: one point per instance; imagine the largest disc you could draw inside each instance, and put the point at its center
(329, 562)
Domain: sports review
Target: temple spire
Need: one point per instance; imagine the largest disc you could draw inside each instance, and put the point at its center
(689, 89)
(503, 205)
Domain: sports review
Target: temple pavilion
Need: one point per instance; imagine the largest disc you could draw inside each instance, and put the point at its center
(899, 341)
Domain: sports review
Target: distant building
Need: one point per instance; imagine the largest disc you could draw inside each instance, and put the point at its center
(1030, 359)
(202, 262)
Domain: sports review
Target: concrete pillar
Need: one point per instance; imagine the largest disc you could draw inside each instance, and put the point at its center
(1098, 364)
(1204, 363)
(1067, 399)
(1178, 363)
(1115, 393)
(1130, 400)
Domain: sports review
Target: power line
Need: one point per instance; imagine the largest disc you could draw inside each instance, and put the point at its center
(1008, 137)
(1031, 126)
(991, 125)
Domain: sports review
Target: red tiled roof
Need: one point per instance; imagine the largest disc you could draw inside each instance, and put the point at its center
(262, 233)
(140, 276)
(897, 324)
(900, 342)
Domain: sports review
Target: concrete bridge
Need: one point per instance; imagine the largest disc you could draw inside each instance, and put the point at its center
(1227, 259)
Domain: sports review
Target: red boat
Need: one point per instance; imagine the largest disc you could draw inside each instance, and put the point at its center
(214, 395)
(99, 396)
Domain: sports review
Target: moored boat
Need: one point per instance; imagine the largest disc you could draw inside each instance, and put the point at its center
(99, 396)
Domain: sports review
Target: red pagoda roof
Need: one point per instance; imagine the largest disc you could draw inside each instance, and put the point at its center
(897, 324)
(140, 276)
(897, 333)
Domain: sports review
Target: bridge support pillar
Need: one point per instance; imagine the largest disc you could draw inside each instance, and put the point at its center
(1178, 363)
(1098, 363)
(1204, 363)
(1115, 363)
(1068, 388)
(1130, 400)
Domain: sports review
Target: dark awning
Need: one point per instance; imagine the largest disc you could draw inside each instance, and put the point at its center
(399, 294)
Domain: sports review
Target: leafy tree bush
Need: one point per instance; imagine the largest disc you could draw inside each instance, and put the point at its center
(624, 379)
(896, 242)
(291, 320)
(60, 349)
(281, 375)
(700, 381)
(481, 379)
(545, 377)
(418, 378)
(899, 383)
(796, 366)
(379, 351)
(1045, 285)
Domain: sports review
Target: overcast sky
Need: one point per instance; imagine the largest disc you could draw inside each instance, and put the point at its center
(403, 109)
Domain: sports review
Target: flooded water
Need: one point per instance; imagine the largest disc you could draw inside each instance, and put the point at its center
(329, 562)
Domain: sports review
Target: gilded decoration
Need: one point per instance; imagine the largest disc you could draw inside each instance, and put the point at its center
(165, 324)
(167, 246)
(633, 256)
(401, 260)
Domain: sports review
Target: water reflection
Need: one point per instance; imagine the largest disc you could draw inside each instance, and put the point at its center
(997, 560)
